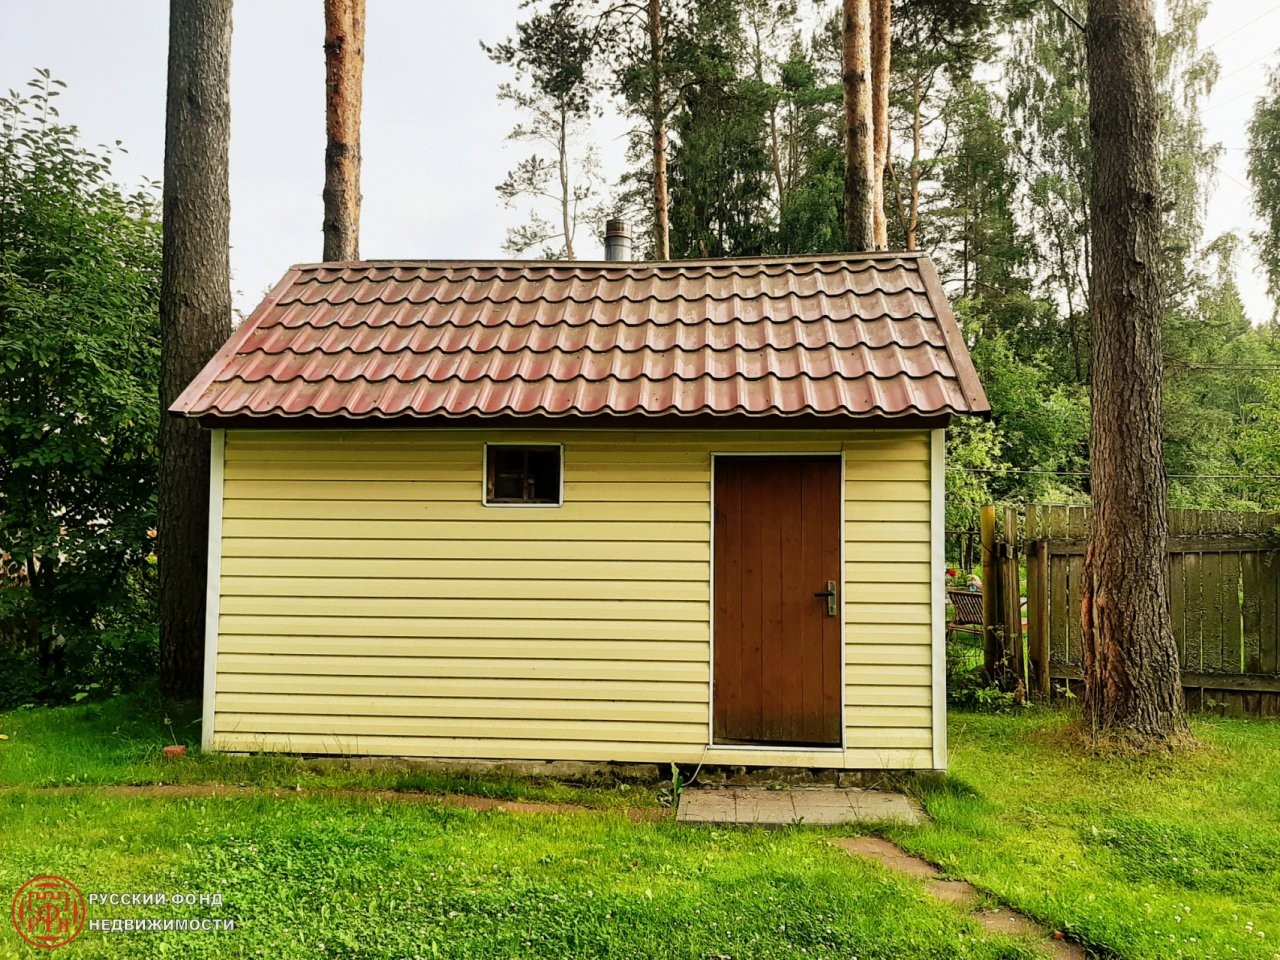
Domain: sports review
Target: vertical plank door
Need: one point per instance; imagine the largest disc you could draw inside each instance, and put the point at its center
(777, 640)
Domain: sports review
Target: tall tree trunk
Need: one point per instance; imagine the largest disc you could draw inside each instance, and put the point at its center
(859, 152)
(566, 191)
(917, 151)
(775, 154)
(344, 93)
(658, 121)
(1132, 686)
(195, 316)
(881, 23)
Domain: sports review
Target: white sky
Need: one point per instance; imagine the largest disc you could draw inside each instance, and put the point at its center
(434, 137)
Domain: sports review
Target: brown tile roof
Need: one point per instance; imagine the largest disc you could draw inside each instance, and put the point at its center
(839, 335)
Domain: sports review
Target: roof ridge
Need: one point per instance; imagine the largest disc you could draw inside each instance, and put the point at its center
(616, 264)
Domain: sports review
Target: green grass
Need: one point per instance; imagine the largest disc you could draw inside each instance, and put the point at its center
(1156, 857)
(1141, 858)
(311, 877)
(120, 742)
(315, 874)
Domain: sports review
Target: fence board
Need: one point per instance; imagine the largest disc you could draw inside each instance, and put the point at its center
(1056, 523)
(1075, 593)
(1232, 623)
(1177, 602)
(992, 652)
(1214, 588)
(1269, 612)
(1057, 609)
(1193, 612)
(1250, 612)
(1011, 594)
(1224, 600)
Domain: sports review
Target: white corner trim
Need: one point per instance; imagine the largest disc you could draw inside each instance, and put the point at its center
(937, 581)
(213, 583)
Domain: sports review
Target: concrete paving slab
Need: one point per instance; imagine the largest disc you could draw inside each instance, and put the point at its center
(889, 854)
(955, 891)
(816, 806)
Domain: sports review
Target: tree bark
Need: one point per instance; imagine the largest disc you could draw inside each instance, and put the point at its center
(859, 164)
(658, 121)
(344, 94)
(881, 23)
(1132, 684)
(566, 190)
(195, 316)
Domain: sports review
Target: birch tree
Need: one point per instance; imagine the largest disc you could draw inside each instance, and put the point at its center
(551, 55)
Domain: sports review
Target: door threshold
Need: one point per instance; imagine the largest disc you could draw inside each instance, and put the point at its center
(770, 745)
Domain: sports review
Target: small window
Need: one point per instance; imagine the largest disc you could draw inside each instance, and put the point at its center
(522, 475)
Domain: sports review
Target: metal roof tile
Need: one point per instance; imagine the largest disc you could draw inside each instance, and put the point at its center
(851, 335)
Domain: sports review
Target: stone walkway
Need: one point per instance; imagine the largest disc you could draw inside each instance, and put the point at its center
(994, 919)
(813, 806)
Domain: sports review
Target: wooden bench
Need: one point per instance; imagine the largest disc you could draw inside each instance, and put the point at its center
(967, 612)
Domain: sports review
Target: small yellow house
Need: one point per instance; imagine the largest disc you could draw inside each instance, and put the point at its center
(648, 512)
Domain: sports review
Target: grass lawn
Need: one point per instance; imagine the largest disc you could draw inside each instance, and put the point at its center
(1140, 858)
(1151, 858)
(313, 875)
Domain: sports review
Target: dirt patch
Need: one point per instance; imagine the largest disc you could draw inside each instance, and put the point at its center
(962, 894)
(456, 800)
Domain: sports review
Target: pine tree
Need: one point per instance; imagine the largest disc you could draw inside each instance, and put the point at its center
(344, 85)
(195, 316)
(1132, 677)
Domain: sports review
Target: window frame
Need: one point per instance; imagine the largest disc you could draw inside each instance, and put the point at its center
(486, 477)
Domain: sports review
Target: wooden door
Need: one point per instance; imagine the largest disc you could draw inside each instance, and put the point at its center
(777, 637)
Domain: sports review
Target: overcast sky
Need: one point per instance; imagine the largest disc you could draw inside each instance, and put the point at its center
(434, 137)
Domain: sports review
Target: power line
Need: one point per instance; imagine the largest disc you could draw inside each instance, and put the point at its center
(1265, 56)
(1229, 366)
(1038, 473)
(1231, 177)
(1247, 23)
(1195, 365)
(1074, 473)
(1209, 108)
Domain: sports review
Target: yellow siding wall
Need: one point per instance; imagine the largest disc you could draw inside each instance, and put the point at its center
(370, 604)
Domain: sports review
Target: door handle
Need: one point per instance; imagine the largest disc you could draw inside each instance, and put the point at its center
(830, 595)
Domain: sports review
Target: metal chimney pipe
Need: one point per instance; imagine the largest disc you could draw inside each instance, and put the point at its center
(617, 240)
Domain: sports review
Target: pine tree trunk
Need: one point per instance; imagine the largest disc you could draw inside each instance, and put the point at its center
(195, 316)
(658, 121)
(344, 93)
(881, 23)
(859, 162)
(1132, 686)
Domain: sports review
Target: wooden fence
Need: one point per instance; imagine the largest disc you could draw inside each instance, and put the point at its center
(1224, 598)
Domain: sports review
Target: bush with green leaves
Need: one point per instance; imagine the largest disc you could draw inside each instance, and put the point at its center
(79, 364)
